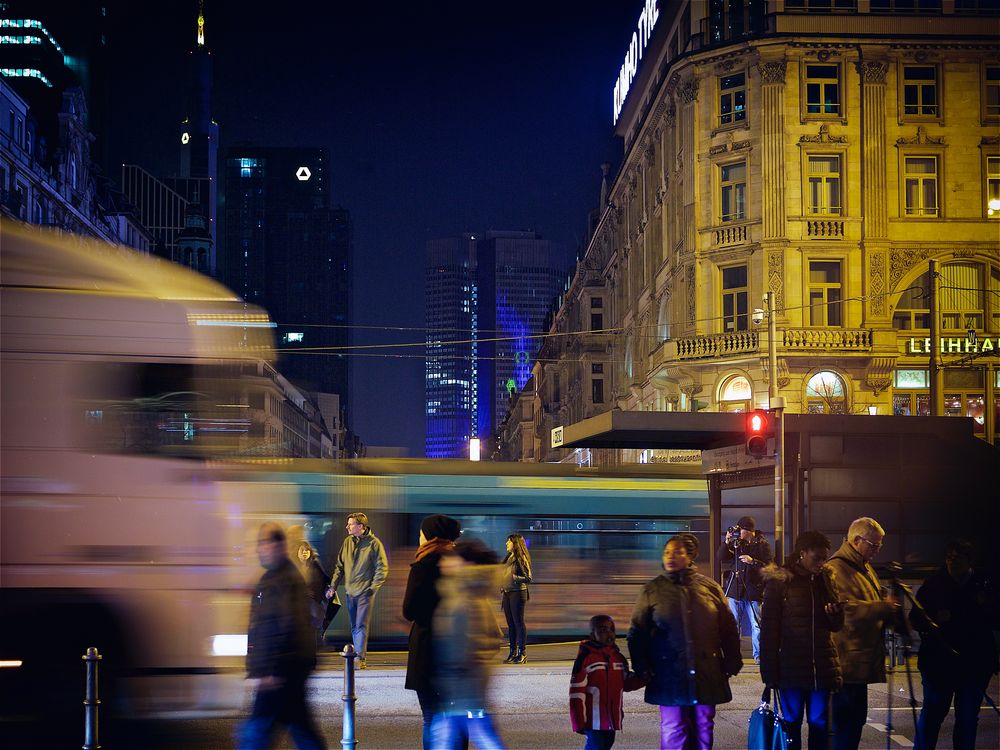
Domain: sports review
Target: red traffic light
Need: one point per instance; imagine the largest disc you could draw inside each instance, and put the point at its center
(759, 427)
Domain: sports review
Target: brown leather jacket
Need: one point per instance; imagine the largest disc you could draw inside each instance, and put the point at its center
(860, 643)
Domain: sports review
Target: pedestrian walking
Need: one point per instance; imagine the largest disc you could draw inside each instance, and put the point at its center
(281, 650)
(860, 643)
(437, 536)
(958, 649)
(598, 684)
(363, 567)
(515, 595)
(307, 562)
(466, 640)
(797, 656)
(683, 640)
(743, 557)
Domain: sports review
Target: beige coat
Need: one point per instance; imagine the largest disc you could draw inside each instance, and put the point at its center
(860, 644)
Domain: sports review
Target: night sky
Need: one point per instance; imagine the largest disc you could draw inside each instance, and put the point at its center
(440, 118)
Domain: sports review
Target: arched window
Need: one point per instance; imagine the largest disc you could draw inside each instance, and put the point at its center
(663, 320)
(736, 394)
(964, 299)
(826, 394)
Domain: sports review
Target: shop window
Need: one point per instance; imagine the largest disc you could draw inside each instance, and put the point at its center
(736, 394)
(920, 92)
(911, 404)
(824, 184)
(967, 405)
(732, 99)
(826, 394)
(991, 93)
(822, 90)
(732, 191)
(825, 293)
(920, 186)
(911, 379)
(735, 293)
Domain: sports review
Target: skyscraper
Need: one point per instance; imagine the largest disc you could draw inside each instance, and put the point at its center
(486, 300)
(287, 250)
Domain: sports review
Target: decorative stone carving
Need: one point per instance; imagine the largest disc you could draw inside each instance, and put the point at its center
(872, 71)
(739, 145)
(823, 136)
(921, 138)
(673, 83)
(772, 72)
(670, 118)
(783, 376)
(720, 149)
(775, 277)
(691, 307)
(688, 91)
(878, 374)
(876, 286)
(901, 261)
(725, 66)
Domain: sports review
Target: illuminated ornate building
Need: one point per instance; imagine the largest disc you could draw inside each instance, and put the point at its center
(822, 152)
(486, 298)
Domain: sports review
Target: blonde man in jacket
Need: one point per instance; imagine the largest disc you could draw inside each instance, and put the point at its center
(860, 643)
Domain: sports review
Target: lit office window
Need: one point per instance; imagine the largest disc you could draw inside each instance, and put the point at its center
(823, 90)
(825, 293)
(732, 98)
(920, 185)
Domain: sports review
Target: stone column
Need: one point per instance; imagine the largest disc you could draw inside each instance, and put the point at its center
(772, 80)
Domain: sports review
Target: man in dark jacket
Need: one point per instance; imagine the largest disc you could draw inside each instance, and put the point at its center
(958, 657)
(744, 556)
(281, 649)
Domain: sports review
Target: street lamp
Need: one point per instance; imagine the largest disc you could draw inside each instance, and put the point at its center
(474, 447)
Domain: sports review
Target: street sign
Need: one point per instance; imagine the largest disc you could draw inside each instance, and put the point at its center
(732, 458)
(557, 437)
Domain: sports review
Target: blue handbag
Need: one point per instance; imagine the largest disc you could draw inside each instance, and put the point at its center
(767, 729)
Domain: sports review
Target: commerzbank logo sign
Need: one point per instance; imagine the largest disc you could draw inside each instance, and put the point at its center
(640, 38)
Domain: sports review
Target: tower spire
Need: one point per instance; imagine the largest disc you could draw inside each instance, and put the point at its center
(201, 23)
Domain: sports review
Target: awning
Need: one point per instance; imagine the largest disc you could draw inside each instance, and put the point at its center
(656, 429)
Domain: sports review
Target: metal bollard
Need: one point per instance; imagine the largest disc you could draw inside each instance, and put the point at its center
(347, 740)
(91, 702)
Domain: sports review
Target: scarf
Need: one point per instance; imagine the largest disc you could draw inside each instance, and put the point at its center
(437, 544)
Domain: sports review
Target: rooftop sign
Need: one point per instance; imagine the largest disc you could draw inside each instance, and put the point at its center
(640, 38)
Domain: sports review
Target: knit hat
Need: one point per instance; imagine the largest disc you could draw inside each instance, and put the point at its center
(440, 526)
(747, 523)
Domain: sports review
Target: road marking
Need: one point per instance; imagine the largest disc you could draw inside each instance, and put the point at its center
(895, 737)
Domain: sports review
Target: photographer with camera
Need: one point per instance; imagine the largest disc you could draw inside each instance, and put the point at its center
(860, 644)
(744, 555)
(958, 652)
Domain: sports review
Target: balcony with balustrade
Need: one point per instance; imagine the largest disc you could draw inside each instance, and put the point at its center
(826, 339)
(718, 346)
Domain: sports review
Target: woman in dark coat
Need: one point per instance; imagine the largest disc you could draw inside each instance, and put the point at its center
(797, 653)
(684, 639)
(437, 536)
(307, 561)
(514, 595)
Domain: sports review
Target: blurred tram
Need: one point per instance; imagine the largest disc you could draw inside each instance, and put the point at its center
(129, 512)
(594, 536)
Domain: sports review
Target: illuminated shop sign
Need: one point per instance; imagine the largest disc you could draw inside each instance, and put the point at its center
(956, 345)
(640, 38)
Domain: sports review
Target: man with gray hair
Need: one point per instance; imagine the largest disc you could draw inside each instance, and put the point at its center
(363, 567)
(860, 645)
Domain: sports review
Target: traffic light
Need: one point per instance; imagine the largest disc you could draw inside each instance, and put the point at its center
(759, 429)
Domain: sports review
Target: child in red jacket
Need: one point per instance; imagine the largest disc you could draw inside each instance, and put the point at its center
(600, 678)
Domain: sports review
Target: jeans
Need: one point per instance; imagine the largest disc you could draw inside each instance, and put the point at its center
(812, 703)
(850, 712)
(428, 700)
(599, 739)
(680, 725)
(939, 691)
(513, 609)
(751, 611)
(456, 731)
(283, 705)
(360, 611)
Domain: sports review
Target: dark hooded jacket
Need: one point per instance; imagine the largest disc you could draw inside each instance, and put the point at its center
(466, 637)
(796, 641)
(748, 584)
(419, 602)
(280, 640)
(684, 637)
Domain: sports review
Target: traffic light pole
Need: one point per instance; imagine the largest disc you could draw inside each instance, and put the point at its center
(776, 404)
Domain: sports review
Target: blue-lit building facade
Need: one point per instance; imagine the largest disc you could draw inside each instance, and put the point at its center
(486, 300)
(287, 250)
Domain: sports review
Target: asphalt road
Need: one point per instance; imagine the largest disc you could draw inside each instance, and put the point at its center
(530, 709)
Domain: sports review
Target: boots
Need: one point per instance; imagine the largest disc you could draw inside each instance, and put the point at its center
(511, 656)
(520, 658)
